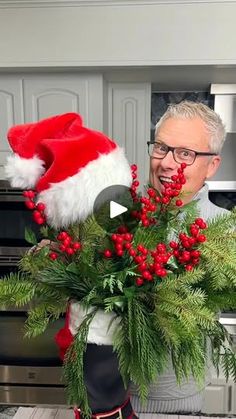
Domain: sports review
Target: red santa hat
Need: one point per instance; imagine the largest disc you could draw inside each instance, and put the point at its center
(66, 163)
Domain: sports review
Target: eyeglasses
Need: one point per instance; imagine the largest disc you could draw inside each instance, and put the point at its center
(158, 150)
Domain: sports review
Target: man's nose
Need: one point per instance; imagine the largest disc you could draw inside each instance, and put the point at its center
(168, 161)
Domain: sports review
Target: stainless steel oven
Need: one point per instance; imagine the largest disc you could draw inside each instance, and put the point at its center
(30, 369)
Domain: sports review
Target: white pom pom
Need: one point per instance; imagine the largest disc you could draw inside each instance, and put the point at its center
(23, 173)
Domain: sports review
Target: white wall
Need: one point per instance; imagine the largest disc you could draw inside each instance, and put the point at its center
(113, 33)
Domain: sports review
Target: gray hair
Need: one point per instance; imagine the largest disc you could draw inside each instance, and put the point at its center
(213, 123)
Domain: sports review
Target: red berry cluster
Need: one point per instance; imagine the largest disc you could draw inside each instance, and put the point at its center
(151, 263)
(185, 251)
(67, 245)
(121, 242)
(135, 183)
(38, 209)
(173, 189)
(149, 205)
(154, 263)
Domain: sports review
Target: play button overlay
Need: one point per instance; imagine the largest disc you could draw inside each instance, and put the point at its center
(112, 207)
(116, 209)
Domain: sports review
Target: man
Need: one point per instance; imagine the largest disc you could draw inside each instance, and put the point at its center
(194, 134)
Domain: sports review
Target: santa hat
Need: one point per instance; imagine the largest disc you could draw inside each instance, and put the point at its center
(67, 164)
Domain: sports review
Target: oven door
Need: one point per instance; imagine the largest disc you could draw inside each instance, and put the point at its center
(30, 369)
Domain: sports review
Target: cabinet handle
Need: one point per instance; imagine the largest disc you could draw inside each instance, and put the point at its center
(229, 399)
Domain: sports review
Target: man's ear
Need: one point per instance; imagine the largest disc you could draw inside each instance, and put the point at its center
(213, 166)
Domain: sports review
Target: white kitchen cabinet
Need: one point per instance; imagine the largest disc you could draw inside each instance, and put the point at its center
(220, 396)
(11, 106)
(29, 98)
(129, 113)
(216, 399)
(51, 94)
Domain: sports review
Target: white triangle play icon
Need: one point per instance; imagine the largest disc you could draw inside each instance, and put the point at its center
(116, 209)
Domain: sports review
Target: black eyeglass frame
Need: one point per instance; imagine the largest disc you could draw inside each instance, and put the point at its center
(172, 149)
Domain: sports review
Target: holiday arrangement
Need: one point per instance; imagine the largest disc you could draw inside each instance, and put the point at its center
(160, 269)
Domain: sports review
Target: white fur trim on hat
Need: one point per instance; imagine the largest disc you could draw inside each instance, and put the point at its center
(101, 328)
(22, 172)
(73, 199)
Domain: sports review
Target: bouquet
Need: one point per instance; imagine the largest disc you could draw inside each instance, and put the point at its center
(159, 273)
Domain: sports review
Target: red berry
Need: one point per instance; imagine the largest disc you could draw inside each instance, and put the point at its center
(186, 244)
(189, 267)
(138, 259)
(174, 245)
(161, 248)
(161, 272)
(40, 220)
(31, 194)
(118, 246)
(119, 252)
(53, 255)
(140, 247)
(128, 236)
(165, 200)
(107, 253)
(25, 194)
(178, 203)
(151, 192)
(195, 253)
(40, 206)
(67, 242)
(194, 231)
(143, 266)
(76, 246)
(64, 235)
(122, 229)
(30, 204)
(36, 215)
(146, 274)
(134, 167)
(70, 251)
(191, 241)
(201, 238)
(62, 248)
(139, 281)
(132, 252)
(176, 253)
(183, 165)
(199, 221)
(186, 255)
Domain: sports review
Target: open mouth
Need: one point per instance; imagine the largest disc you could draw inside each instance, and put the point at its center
(164, 180)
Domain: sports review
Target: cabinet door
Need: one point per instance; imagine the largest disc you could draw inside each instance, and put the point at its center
(11, 112)
(51, 94)
(129, 110)
(215, 400)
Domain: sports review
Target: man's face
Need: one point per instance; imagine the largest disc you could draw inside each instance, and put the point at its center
(187, 133)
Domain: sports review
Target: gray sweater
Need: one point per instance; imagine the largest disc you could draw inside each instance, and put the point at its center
(166, 396)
